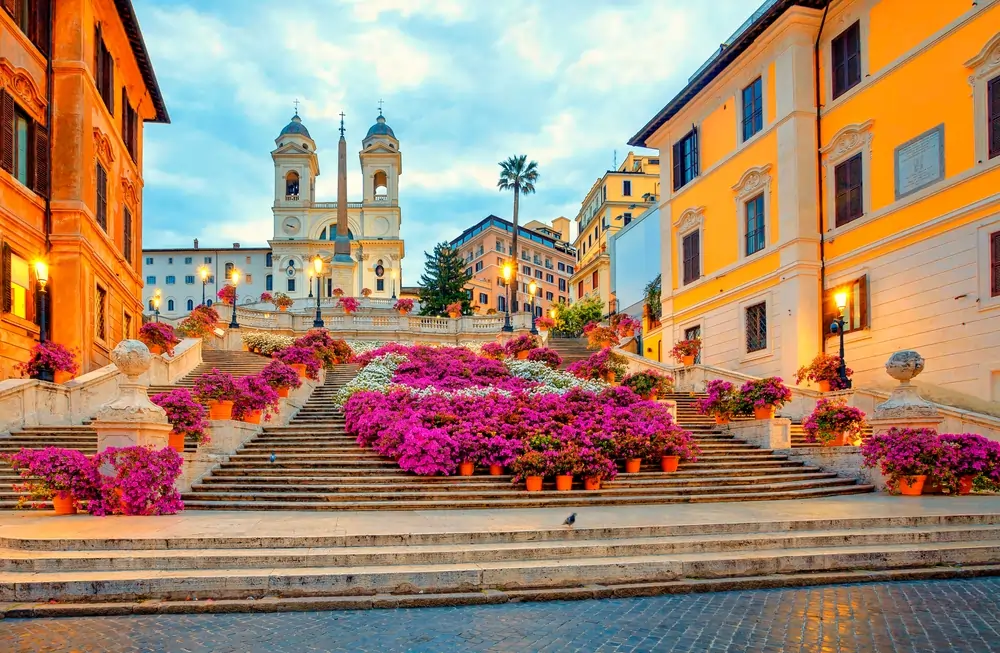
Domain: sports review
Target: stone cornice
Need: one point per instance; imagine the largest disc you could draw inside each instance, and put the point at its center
(20, 84)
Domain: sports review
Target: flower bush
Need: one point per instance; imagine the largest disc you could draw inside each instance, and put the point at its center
(648, 382)
(901, 453)
(546, 356)
(142, 482)
(720, 401)
(549, 380)
(761, 393)
(599, 364)
(227, 294)
(159, 334)
(626, 326)
(825, 367)
(280, 375)
(600, 336)
(453, 308)
(493, 350)
(329, 350)
(266, 298)
(523, 342)
(974, 456)
(186, 416)
(349, 304)
(530, 463)
(366, 292)
(405, 305)
(338, 292)
(281, 300)
(684, 348)
(545, 322)
(832, 417)
(49, 356)
(295, 355)
(200, 323)
(266, 343)
(51, 471)
(255, 393)
(216, 386)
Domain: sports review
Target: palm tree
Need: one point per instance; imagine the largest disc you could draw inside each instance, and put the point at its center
(519, 175)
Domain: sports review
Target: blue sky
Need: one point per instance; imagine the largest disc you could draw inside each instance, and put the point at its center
(466, 83)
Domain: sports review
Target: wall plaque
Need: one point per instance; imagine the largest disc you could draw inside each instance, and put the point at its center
(920, 162)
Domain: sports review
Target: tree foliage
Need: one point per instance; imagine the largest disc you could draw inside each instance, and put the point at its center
(519, 175)
(443, 281)
(571, 318)
(652, 293)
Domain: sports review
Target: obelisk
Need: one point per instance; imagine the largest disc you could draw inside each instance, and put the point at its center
(342, 245)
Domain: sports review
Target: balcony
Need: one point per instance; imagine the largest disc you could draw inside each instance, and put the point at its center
(381, 198)
(291, 198)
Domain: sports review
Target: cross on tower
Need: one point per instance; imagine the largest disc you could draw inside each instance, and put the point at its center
(296, 103)
(380, 107)
(341, 123)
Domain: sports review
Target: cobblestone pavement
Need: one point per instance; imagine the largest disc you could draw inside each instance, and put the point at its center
(931, 616)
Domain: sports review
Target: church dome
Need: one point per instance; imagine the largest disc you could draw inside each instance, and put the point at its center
(295, 127)
(380, 128)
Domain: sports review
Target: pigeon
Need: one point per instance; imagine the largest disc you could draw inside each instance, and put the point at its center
(274, 456)
(570, 520)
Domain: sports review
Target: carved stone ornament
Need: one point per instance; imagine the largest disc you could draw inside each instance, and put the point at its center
(394, 257)
(102, 147)
(690, 219)
(987, 61)
(905, 402)
(848, 139)
(18, 82)
(753, 181)
(133, 359)
(129, 192)
(904, 365)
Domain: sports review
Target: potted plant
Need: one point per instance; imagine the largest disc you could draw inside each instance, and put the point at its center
(908, 457)
(833, 423)
(454, 310)
(627, 326)
(719, 401)
(974, 456)
(595, 468)
(256, 400)
(50, 361)
(633, 445)
(366, 292)
(564, 464)
(218, 390)
(64, 476)
(531, 467)
(519, 346)
(159, 337)
(605, 365)
(227, 294)
(201, 323)
(404, 306)
(764, 396)
(138, 481)
(283, 301)
(498, 452)
(599, 336)
(303, 359)
(338, 292)
(685, 351)
(544, 323)
(824, 371)
(544, 355)
(493, 350)
(349, 304)
(648, 384)
(186, 416)
(281, 377)
(672, 444)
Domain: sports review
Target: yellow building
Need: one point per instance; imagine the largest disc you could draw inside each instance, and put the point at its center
(890, 191)
(612, 202)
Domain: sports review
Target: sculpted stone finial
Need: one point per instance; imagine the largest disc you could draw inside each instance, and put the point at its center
(905, 402)
(133, 359)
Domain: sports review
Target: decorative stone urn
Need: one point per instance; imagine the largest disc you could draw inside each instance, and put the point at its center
(131, 419)
(905, 407)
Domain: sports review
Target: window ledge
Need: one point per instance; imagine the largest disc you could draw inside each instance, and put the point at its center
(756, 356)
(21, 323)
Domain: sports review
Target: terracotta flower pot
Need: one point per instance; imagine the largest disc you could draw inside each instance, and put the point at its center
(591, 484)
(301, 369)
(767, 412)
(156, 350)
(839, 440)
(609, 377)
(669, 463)
(176, 442)
(965, 484)
(651, 396)
(466, 468)
(543, 329)
(64, 503)
(688, 361)
(496, 470)
(533, 483)
(912, 485)
(522, 355)
(632, 465)
(454, 316)
(283, 392)
(564, 483)
(282, 308)
(630, 333)
(403, 312)
(61, 377)
(220, 409)
(253, 417)
(824, 386)
(721, 419)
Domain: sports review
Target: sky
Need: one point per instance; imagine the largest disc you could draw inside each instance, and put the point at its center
(465, 84)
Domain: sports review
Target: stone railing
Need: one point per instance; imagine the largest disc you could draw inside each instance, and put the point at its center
(29, 402)
(164, 369)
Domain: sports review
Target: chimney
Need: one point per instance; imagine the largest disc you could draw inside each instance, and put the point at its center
(236, 245)
(196, 243)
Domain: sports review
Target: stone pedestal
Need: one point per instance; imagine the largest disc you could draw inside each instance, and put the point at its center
(904, 408)
(131, 419)
(226, 436)
(196, 467)
(764, 433)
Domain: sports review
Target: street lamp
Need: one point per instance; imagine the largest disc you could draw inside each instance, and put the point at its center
(507, 271)
(42, 275)
(310, 282)
(318, 268)
(156, 304)
(392, 274)
(203, 271)
(235, 278)
(532, 290)
(840, 298)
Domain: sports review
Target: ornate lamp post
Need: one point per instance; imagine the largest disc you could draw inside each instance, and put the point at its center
(318, 269)
(533, 290)
(42, 275)
(840, 298)
(507, 271)
(235, 278)
(203, 272)
(392, 274)
(156, 304)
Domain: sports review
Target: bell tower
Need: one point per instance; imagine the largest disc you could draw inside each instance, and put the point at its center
(296, 165)
(381, 165)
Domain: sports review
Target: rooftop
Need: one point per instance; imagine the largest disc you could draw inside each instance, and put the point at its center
(127, 13)
(506, 225)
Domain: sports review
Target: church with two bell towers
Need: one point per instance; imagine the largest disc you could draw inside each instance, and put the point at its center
(359, 242)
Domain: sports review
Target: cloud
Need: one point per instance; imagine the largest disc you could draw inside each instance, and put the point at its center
(367, 11)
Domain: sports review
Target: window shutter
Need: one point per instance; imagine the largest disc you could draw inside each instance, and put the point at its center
(40, 17)
(995, 263)
(677, 165)
(993, 117)
(5, 278)
(6, 132)
(109, 93)
(9, 6)
(694, 151)
(98, 59)
(125, 117)
(41, 176)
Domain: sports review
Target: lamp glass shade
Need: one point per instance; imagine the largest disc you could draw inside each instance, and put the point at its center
(532, 288)
(506, 272)
(156, 301)
(204, 274)
(393, 274)
(235, 277)
(42, 272)
(318, 265)
(840, 297)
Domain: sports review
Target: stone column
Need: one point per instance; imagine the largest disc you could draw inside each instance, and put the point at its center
(905, 408)
(131, 419)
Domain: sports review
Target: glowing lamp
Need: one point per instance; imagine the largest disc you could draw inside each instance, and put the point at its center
(840, 297)
(318, 265)
(532, 288)
(42, 272)
(235, 277)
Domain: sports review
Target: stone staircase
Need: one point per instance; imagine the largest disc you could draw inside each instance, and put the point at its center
(799, 438)
(318, 466)
(82, 438)
(571, 349)
(237, 363)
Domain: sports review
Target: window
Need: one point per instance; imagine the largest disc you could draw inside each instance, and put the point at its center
(104, 71)
(190, 304)
(130, 126)
(188, 260)
(846, 60)
(654, 162)
(754, 225)
(229, 271)
(562, 300)
(484, 299)
(208, 259)
(211, 278)
(579, 290)
(150, 281)
(756, 326)
(468, 271)
(126, 325)
(149, 260)
(268, 260)
(170, 260)
(189, 279)
(102, 197)
(502, 304)
(604, 223)
(171, 280)
(248, 278)
(170, 305)
(856, 315)
(17, 280)
(526, 269)
(151, 305)
(290, 285)
(538, 274)
(626, 219)
(686, 159)
(561, 267)
(848, 190)
(479, 266)
(127, 234)
(569, 269)
(269, 282)
(22, 147)
(691, 250)
(248, 260)
(594, 279)
(692, 333)
(562, 285)
(549, 278)
(100, 313)
(548, 296)
(753, 109)
(993, 113)
(627, 187)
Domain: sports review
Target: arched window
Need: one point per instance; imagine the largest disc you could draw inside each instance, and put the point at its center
(379, 269)
(170, 305)
(380, 184)
(190, 305)
(229, 271)
(151, 305)
(330, 233)
(269, 261)
(292, 184)
(269, 282)
(502, 304)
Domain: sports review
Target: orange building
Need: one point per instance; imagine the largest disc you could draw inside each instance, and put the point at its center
(76, 86)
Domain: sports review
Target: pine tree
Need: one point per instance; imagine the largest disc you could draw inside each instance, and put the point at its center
(443, 281)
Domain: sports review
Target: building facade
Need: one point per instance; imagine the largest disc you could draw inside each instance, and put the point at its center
(802, 163)
(635, 264)
(612, 203)
(543, 257)
(76, 88)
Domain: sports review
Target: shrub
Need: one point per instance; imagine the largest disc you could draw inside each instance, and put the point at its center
(599, 364)
(159, 334)
(499, 450)
(300, 356)
(366, 292)
(349, 304)
(428, 452)
(328, 349)
(600, 336)
(825, 367)
(254, 394)
(266, 343)
(530, 463)
(403, 305)
(720, 401)
(283, 300)
(51, 471)
(266, 298)
(596, 465)
(545, 322)
(215, 385)
(761, 393)
(523, 342)
(493, 350)
(684, 348)
(626, 326)
(974, 456)
(142, 482)
(49, 356)
(903, 452)
(227, 294)
(833, 416)
(338, 292)
(545, 355)
(280, 375)
(572, 318)
(564, 462)
(186, 416)
(454, 307)
(200, 323)
(648, 382)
